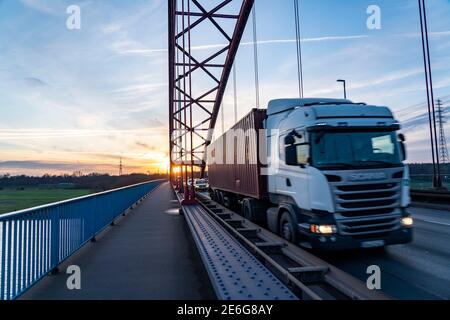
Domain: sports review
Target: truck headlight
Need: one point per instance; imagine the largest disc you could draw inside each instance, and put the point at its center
(323, 229)
(407, 221)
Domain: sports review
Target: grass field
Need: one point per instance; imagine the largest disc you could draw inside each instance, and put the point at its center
(13, 200)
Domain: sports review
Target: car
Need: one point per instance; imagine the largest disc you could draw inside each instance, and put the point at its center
(201, 185)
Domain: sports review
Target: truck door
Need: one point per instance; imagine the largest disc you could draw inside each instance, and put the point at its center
(292, 180)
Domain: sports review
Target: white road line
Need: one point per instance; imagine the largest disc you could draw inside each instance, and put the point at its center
(435, 222)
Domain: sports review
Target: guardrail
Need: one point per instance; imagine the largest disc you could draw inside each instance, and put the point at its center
(431, 196)
(425, 181)
(33, 242)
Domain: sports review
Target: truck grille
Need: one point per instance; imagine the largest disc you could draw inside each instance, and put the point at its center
(367, 199)
(369, 228)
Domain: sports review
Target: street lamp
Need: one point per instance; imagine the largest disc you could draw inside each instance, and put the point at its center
(345, 87)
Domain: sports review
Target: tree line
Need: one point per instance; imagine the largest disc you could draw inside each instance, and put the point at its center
(94, 181)
(101, 182)
(427, 168)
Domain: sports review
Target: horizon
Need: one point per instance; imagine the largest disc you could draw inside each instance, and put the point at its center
(162, 173)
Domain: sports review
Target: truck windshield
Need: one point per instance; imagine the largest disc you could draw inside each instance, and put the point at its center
(353, 149)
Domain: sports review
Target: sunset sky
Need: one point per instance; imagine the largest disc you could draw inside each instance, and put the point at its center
(75, 100)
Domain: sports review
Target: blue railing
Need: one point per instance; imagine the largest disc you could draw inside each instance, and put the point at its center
(35, 241)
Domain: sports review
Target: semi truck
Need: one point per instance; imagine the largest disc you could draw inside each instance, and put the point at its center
(325, 174)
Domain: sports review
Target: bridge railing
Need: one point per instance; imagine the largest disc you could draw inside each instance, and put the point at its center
(424, 181)
(33, 242)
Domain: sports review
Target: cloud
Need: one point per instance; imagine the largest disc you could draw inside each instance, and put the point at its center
(43, 166)
(40, 5)
(435, 34)
(35, 82)
(262, 42)
(35, 165)
(140, 88)
(146, 146)
(380, 80)
(34, 134)
(111, 28)
(306, 40)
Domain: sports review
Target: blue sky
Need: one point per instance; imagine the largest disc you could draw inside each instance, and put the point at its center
(81, 99)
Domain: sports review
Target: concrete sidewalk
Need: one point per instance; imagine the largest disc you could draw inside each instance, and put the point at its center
(149, 254)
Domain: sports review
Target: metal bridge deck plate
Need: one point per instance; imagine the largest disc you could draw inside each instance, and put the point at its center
(234, 272)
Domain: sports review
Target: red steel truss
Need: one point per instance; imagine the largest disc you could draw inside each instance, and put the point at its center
(197, 83)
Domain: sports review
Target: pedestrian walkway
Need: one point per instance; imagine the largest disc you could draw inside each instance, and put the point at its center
(149, 254)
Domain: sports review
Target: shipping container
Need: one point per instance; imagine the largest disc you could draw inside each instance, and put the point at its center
(234, 160)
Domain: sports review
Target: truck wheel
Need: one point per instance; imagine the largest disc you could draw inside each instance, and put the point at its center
(287, 228)
(227, 202)
(212, 195)
(219, 197)
(254, 211)
(247, 210)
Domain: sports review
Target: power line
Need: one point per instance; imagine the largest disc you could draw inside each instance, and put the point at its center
(437, 182)
(444, 99)
(431, 91)
(443, 150)
(299, 48)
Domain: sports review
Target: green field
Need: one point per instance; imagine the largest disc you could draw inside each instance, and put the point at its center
(13, 200)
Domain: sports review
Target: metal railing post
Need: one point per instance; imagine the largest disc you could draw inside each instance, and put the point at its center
(54, 249)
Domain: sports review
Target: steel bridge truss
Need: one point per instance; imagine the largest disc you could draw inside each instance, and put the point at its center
(197, 82)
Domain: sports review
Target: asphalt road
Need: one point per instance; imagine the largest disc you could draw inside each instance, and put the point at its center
(419, 270)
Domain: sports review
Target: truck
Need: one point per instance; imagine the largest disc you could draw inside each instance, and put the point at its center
(325, 174)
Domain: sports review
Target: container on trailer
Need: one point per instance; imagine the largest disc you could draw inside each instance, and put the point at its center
(236, 159)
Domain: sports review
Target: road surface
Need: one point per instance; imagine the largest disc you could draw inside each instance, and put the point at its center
(419, 270)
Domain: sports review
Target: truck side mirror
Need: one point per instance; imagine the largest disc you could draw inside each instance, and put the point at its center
(402, 139)
(291, 155)
(289, 139)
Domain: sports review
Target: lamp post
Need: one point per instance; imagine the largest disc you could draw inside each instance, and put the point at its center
(345, 87)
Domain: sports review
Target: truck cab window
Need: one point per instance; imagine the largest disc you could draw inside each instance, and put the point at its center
(294, 149)
(355, 149)
(383, 144)
(302, 154)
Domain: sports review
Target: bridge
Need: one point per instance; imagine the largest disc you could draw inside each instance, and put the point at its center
(162, 240)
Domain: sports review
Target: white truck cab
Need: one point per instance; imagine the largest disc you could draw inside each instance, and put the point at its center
(336, 174)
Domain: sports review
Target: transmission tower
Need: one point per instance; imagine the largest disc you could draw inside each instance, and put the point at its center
(120, 167)
(443, 150)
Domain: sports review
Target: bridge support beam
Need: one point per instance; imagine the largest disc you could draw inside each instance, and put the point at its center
(197, 83)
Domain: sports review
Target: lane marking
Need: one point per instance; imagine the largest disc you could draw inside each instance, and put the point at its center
(435, 222)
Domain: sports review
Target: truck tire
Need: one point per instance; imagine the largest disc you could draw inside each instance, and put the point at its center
(212, 195)
(287, 228)
(219, 196)
(254, 211)
(247, 210)
(227, 201)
